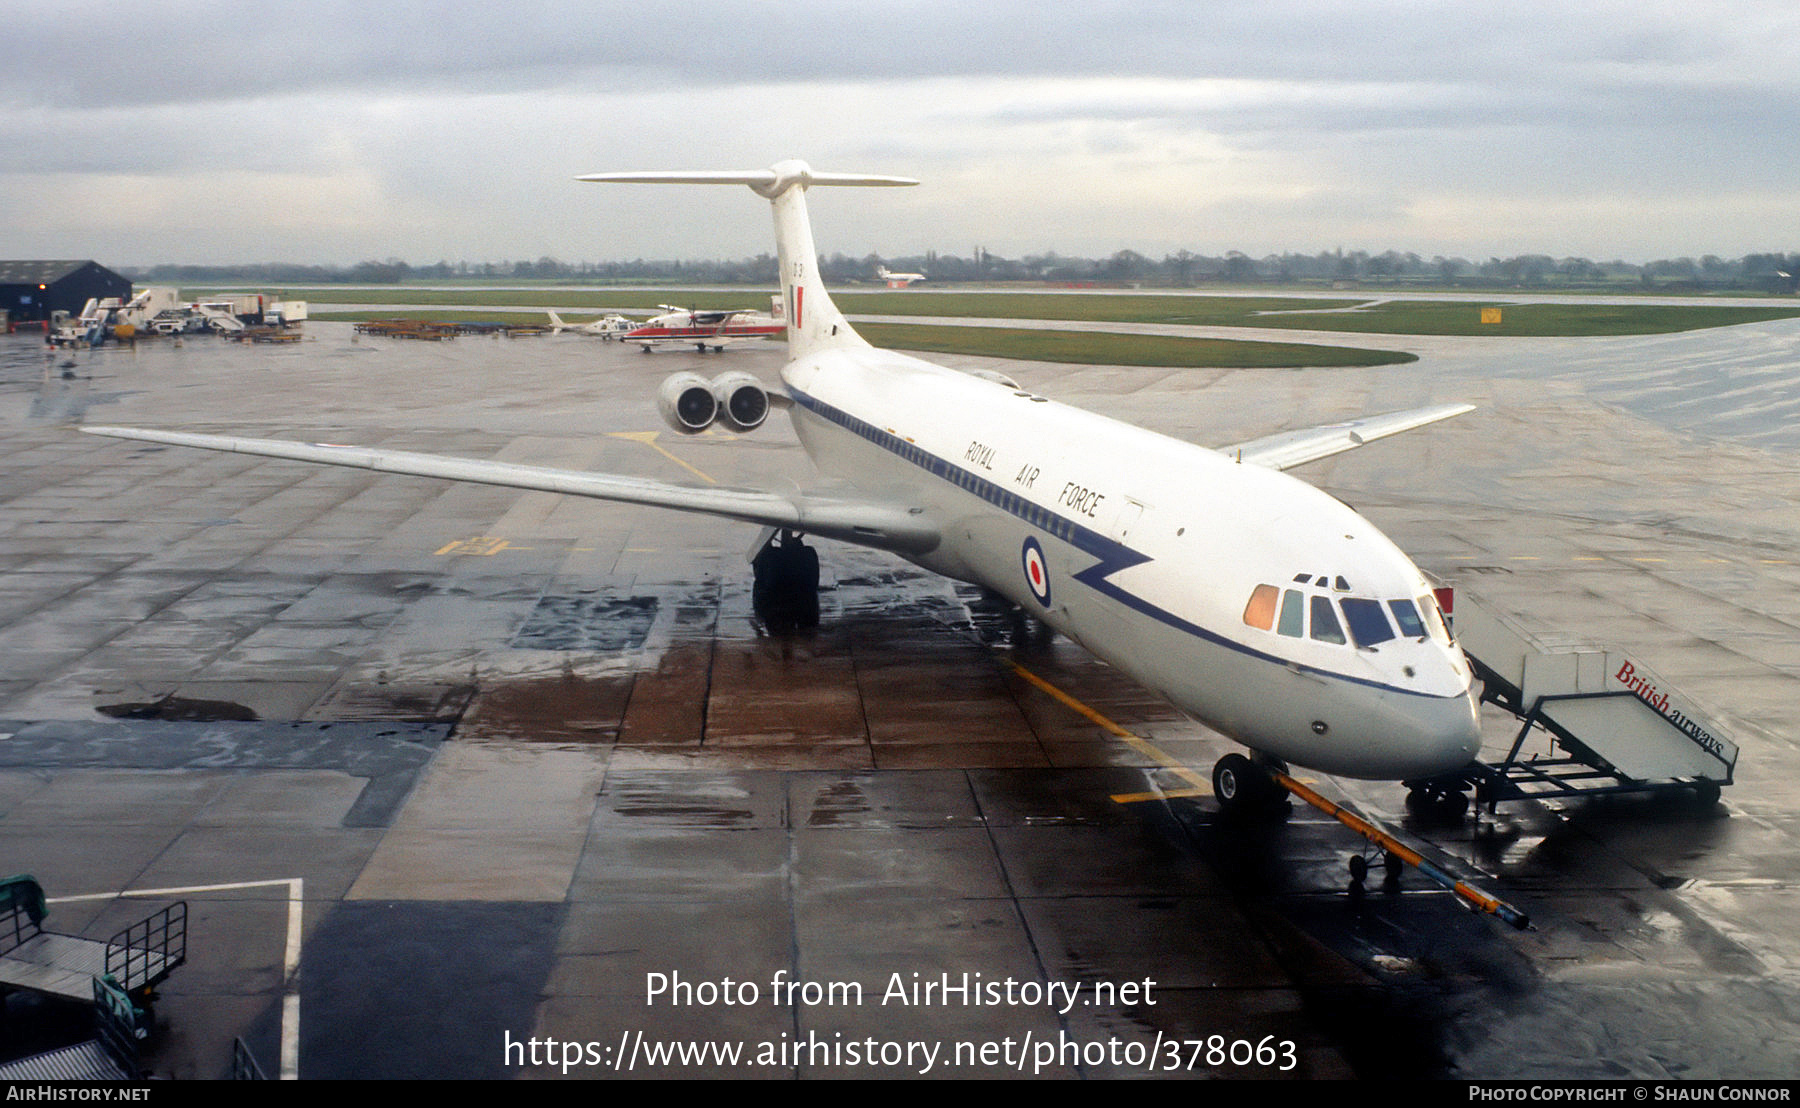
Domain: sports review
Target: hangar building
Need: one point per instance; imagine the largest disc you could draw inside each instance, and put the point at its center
(32, 290)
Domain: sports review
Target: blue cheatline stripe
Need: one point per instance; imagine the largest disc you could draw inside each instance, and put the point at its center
(1113, 556)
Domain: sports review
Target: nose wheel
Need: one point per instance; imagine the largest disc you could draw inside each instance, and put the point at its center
(1441, 800)
(1244, 789)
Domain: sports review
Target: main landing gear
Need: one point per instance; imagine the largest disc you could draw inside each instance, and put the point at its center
(1246, 791)
(785, 595)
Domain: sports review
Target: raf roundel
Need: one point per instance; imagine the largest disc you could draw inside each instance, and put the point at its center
(1037, 571)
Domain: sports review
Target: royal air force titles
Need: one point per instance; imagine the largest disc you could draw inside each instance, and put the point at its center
(1077, 498)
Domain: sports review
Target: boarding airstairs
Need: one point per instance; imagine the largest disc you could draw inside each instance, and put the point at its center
(137, 959)
(219, 319)
(120, 1027)
(1593, 720)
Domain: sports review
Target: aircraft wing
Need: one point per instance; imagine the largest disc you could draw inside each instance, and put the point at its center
(1288, 449)
(884, 526)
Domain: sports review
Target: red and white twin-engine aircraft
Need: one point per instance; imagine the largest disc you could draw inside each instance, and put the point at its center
(705, 329)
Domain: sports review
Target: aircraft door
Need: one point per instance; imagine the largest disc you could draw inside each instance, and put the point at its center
(1129, 514)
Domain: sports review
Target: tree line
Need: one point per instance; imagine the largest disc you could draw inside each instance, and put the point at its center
(1770, 272)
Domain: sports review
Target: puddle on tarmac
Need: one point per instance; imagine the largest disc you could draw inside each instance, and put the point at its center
(180, 709)
(837, 803)
(584, 623)
(683, 800)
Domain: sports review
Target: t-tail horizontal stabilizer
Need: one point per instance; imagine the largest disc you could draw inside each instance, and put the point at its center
(813, 321)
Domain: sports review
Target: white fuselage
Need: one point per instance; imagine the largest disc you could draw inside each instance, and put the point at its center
(705, 328)
(1146, 551)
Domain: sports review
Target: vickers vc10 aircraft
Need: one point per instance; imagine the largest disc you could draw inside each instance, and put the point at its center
(1252, 601)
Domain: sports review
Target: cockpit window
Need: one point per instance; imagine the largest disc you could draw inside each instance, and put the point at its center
(1260, 612)
(1362, 621)
(1407, 617)
(1368, 626)
(1293, 614)
(1325, 626)
(1434, 619)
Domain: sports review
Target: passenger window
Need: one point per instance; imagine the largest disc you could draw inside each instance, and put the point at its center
(1325, 627)
(1293, 614)
(1407, 617)
(1260, 612)
(1368, 626)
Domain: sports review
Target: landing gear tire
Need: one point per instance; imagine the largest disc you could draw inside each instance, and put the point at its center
(1438, 801)
(1245, 790)
(1392, 867)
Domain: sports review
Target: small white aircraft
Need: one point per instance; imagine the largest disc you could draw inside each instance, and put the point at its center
(715, 329)
(1252, 601)
(607, 327)
(897, 280)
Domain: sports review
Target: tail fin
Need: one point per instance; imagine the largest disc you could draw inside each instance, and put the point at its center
(813, 321)
(556, 323)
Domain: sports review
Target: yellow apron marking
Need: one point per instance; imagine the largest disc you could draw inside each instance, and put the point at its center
(1469, 894)
(483, 546)
(648, 438)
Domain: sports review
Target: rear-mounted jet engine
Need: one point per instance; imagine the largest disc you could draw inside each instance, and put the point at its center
(687, 403)
(691, 404)
(743, 403)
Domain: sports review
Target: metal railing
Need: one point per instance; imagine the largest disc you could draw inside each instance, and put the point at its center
(147, 951)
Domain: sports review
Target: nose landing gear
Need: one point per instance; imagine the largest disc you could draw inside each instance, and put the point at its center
(1438, 799)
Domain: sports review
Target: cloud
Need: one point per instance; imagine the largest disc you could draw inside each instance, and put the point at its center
(1077, 127)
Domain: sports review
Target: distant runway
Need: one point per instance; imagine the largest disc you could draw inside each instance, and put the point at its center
(527, 758)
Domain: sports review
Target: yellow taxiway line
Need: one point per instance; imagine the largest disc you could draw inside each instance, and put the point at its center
(1471, 895)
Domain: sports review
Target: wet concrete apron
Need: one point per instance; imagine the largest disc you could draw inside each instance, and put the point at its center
(534, 760)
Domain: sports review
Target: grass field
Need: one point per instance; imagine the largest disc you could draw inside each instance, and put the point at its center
(1101, 348)
(1396, 317)
(1080, 347)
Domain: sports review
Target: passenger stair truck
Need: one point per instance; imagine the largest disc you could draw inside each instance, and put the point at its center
(1610, 725)
(219, 317)
(147, 305)
(90, 328)
(111, 1055)
(36, 960)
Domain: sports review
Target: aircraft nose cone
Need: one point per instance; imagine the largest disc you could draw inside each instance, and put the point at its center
(1447, 736)
(1415, 738)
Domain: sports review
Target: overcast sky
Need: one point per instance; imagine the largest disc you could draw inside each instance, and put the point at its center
(330, 133)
